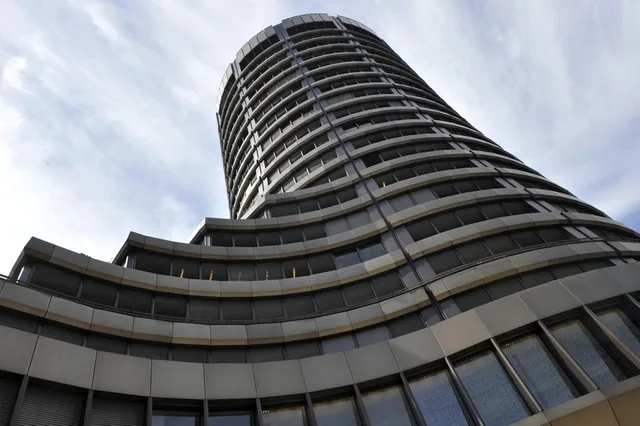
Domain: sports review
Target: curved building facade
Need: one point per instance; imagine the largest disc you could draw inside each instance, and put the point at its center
(385, 264)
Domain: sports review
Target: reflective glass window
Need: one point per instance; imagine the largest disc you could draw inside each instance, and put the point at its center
(400, 203)
(268, 308)
(588, 352)
(445, 221)
(300, 266)
(341, 412)
(371, 251)
(148, 350)
(98, 292)
(566, 270)
(438, 401)
(493, 210)
(387, 284)
(329, 299)
(469, 215)
(266, 353)
(214, 271)
(297, 306)
(444, 190)
(230, 420)
(337, 226)
(371, 335)
(321, 263)
(472, 252)
(293, 235)
(358, 293)
(61, 332)
(294, 416)
(526, 238)
(504, 288)
(405, 324)
(185, 268)
(443, 261)
(136, 301)
(303, 349)
(241, 272)
(312, 232)
(540, 371)
(500, 244)
(472, 298)
(268, 238)
(421, 229)
(534, 278)
(268, 271)
(346, 258)
(55, 279)
(358, 219)
(170, 306)
(244, 239)
(491, 390)
(204, 309)
(341, 343)
(622, 326)
(233, 355)
(423, 195)
(189, 354)
(387, 407)
(174, 420)
(236, 309)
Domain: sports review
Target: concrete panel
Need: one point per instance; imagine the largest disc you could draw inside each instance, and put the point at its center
(460, 332)
(625, 277)
(549, 299)
(229, 381)
(493, 315)
(122, 374)
(301, 329)
(265, 288)
(208, 288)
(371, 362)
(24, 299)
(278, 378)
(366, 316)
(264, 333)
(112, 323)
(172, 284)
(39, 248)
(173, 379)
(21, 344)
(69, 259)
(590, 287)
(235, 288)
(228, 334)
(333, 324)
(151, 329)
(589, 410)
(326, 372)
(623, 399)
(141, 279)
(70, 313)
(398, 306)
(528, 261)
(416, 349)
(191, 334)
(496, 269)
(63, 362)
(105, 270)
(463, 280)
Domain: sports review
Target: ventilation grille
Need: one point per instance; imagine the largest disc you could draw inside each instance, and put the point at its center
(51, 407)
(8, 393)
(111, 412)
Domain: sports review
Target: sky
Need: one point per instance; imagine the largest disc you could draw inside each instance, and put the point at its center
(107, 108)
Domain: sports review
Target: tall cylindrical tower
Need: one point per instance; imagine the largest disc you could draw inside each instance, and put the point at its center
(385, 264)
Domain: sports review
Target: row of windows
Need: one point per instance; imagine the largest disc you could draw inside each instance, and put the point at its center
(377, 119)
(294, 156)
(347, 81)
(416, 147)
(350, 69)
(338, 48)
(332, 61)
(301, 172)
(365, 106)
(297, 135)
(256, 51)
(288, 122)
(372, 91)
(310, 26)
(266, 67)
(382, 135)
(317, 42)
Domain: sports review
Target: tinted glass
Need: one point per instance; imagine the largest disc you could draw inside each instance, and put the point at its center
(445, 221)
(135, 301)
(230, 420)
(329, 300)
(236, 310)
(444, 190)
(500, 244)
(358, 219)
(492, 392)
(492, 211)
(291, 236)
(421, 229)
(526, 238)
(61, 332)
(405, 324)
(535, 278)
(189, 354)
(437, 400)
(386, 407)
(170, 306)
(55, 279)
(588, 352)
(358, 293)
(624, 329)
(401, 203)
(98, 292)
(321, 263)
(219, 354)
(241, 272)
(563, 271)
(148, 350)
(551, 235)
(107, 344)
(423, 195)
(504, 288)
(202, 309)
(469, 215)
(338, 344)
(387, 284)
(371, 251)
(337, 226)
(283, 417)
(268, 308)
(372, 335)
(443, 261)
(336, 413)
(174, 420)
(302, 349)
(472, 298)
(266, 353)
(298, 306)
(472, 252)
(346, 258)
(540, 372)
(300, 267)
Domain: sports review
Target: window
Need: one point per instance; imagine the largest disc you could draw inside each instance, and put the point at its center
(293, 235)
(492, 211)
(492, 392)
(430, 315)
(185, 268)
(268, 238)
(504, 288)
(341, 343)
(472, 252)
(566, 270)
(443, 261)
(170, 306)
(444, 190)
(358, 219)
(387, 284)
(268, 308)
(438, 401)
(622, 326)
(588, 352)
(268, 271)
(423, 195)
(294, 416)
(535, 278)
(302, 349)
(298, 306)
(341, 412)
(541, 373)
(421, 229)
(358, 293)
(469, 215)
(228, 355)
(329, 299)
(190, 354)
(445, 221)
(371, 335)
(298, 265)
(371, 251)
(312, 232)
(55, 279)
(166, 418)
(230, 420)
(405, 324)
(98, 292)
(500, 244)
(236, 309)
(387, 407)
(148, 350)
(136, 301)
(61, 332)
(241, 272)
(517, 207)
(401, 202)
(472, 298)
(337, 226)
(266, 353)
(526, 238)
(204, 309)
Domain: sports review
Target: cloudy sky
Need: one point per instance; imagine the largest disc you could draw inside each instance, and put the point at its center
(107, 108)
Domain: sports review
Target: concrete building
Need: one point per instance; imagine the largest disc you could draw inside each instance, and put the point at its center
(385, 264)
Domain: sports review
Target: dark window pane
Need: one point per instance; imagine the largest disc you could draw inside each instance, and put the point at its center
(214, 271)
(371, 251)
(588, 352)
(526, 238)
(472, 298)
(266, 353)
(170, 306)
(329, 300)
(421, 229)
(226, 355)
(185, 268)
(358, 219)
(449, 308)
(472, 252)
(300, 350)
(540, 372)
(236, 309)
(189, 354)
(358, 293)
(18, 320)
(300, 267)
(347, 194)
(493, 210)
(293, 416)
(401, 202)
(534, 278)
(387, 284)
(463, 186)
(405, 324)
(517, 207)
(624, 329)
(298, 306)
(149, 350)
(550, 235)
(327, 201)
(341, 412)
(384, 180)
(492, 392)
(98, 292)
(500, 244)
(312, 232)
(268, 238)
(386, 407)
(268, 308)
(444, 190)
(293, 235)
(268, 271)
(283, 210)
(241, 272)
(430, 315)
(504, 288)
(55, 279)
(346, 258)
(371, 335)
(487, 183)
(204, 309)
(566, 270)
(423, 195)
(152, 262)
(424, 169)
(307, 206)
(244, 239)
(403, 174)
(469, 215)
(230, 420)
(443, 261)
(174, 419)
(221, 239)
(61, 332)
(445, 221)
(136, 301)
(591, 265)
(437, 400)
(341, 343)
(337, 226)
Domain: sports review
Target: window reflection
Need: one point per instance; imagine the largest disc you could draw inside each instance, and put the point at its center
(386, 407)
(437, 400)
(589, 354)
(293, 416)
(540, 372)
(624, 329)
(230, 420)
(491, 390)
(339, 412)
(174, 419)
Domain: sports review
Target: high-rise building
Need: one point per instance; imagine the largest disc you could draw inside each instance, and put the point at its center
(385, 264)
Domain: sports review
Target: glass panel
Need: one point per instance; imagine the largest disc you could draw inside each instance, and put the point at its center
(540, 372)
(230, 420)
(372, 335)
(338, 344)
(347, 258)
(492, 392)
(438, 401)
(620, 325)
(371, 251)
(336, 413)
(283, 417)
(386, 407)
(586, 350)
(174, 420)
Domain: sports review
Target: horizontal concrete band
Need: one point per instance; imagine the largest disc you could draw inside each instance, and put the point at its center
(53, 360)
(131, 277)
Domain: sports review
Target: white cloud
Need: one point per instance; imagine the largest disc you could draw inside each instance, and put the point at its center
(107, 110)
